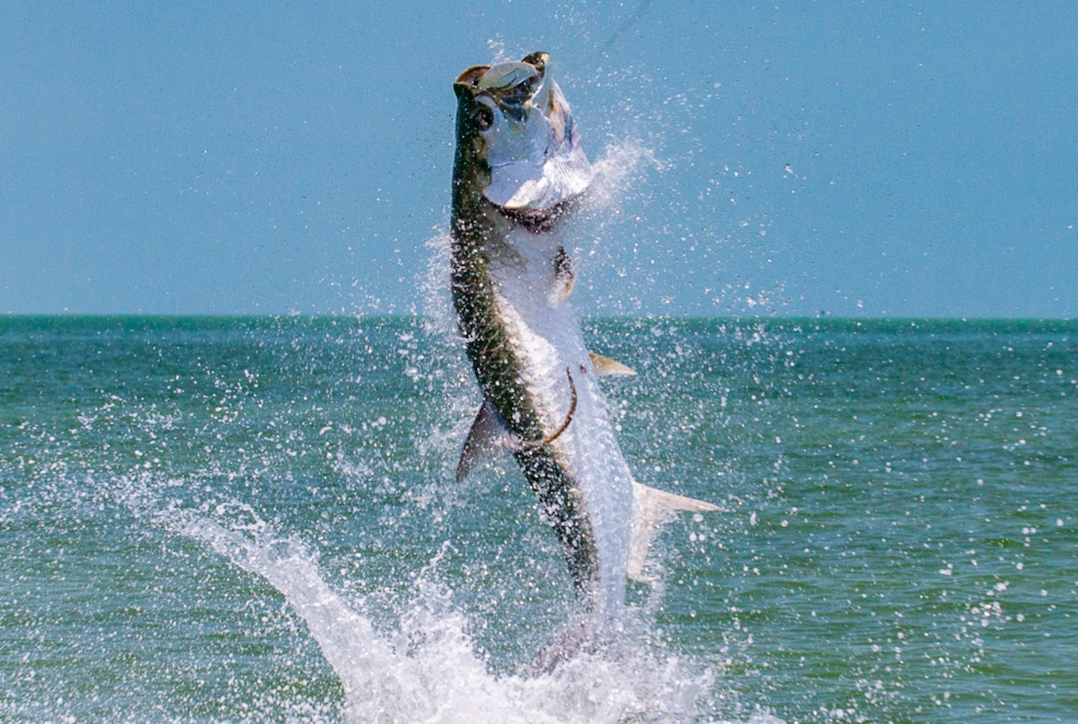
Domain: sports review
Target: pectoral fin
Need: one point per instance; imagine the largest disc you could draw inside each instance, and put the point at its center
(604, 366)
(488, 434)
(652, 507)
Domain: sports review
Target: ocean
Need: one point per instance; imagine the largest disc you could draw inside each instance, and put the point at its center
(256, 519)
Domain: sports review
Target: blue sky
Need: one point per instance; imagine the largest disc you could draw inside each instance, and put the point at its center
(858, 159)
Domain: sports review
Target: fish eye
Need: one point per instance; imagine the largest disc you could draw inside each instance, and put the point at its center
(484, 118)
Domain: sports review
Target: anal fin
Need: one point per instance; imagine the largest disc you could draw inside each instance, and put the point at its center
(652, 507)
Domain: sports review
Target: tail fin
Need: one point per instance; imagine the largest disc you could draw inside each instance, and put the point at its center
(652, 507)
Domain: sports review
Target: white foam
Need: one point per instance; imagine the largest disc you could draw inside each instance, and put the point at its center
(425, 667)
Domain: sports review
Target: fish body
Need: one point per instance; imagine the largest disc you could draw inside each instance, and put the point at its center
(519, 172)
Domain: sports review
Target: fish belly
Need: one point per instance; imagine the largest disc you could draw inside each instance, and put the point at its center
(544, 332)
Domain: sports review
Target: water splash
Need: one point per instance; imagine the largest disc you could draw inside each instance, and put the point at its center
(617, 169)
(426, 667)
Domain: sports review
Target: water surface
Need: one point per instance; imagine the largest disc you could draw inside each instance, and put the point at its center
(230, 519)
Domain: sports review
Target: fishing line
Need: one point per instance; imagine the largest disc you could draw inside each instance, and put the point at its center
(626, 25)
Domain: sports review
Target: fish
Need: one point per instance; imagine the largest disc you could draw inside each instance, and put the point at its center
(519, 174)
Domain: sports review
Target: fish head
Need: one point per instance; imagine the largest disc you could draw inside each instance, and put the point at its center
(516, 142)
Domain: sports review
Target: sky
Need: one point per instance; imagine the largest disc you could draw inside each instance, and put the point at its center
(900, 159)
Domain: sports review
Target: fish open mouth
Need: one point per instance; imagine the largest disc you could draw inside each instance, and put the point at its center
(529, 139)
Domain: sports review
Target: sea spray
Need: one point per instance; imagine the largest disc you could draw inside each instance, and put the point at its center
(900, 454)
(425, 667)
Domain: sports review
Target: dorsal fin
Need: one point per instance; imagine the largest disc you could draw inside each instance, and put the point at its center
(652, 507)
(604, 366)
(489, 433)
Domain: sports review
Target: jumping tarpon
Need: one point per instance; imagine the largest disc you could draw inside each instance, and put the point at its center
(518, 174)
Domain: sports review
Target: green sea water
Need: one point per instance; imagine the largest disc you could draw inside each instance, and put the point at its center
(255, 519)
